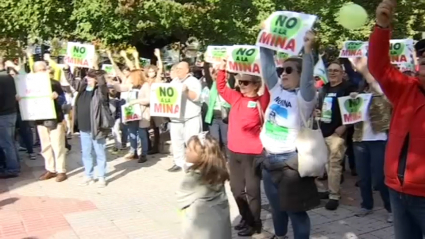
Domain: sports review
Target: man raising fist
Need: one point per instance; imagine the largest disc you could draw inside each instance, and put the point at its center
(405, 152)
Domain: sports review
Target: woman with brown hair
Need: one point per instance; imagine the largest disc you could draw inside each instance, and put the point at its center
(136, 82)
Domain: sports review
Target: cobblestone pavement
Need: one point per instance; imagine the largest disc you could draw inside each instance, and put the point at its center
(139, 202)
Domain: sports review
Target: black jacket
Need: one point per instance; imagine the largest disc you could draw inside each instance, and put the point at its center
(296, 194)
(101, 116)
(7, 94)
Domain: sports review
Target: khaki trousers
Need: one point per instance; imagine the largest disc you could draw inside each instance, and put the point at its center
(337, 147)
(53, 147)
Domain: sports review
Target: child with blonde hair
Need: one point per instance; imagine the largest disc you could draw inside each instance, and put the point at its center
(202, 196)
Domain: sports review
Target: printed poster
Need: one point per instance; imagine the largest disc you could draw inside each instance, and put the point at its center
(401, 50)
(284, 31)
(354, 110)
(244, 59)
(215, 54)
(320, 71)
(109, 68)
(79, 55)
(36, 101)
(130, 112)
(166, 100)
(353, 49)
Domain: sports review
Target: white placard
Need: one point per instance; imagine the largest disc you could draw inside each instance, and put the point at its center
(130, 112)
(166, 100)
(79, 55)
(354, 110)
(35, 91)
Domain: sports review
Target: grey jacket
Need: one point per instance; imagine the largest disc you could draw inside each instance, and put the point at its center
(206, 212)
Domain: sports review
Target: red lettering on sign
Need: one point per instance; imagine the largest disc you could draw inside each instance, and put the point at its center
(351, 52)
(277, 41)
(352, 117)
(74, 61)
(166, 108)
(244, 67)
(401, 58)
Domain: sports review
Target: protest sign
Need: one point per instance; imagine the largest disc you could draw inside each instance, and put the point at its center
(215, 54)
(109, 68)
(144, 62)
(320, 71)
(79, 55)
(35, 91)
(354, 110)
(353, 49)
(244, 59)
(284, 31)
(166, 100)
(401, 51)
(130, 112)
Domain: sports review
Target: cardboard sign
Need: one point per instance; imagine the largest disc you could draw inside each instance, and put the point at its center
(244, 59)
(79, 55)
(354, 110)
(215, 54)
(166, 100)
(130, 112)
(284, 31)
(36, 101)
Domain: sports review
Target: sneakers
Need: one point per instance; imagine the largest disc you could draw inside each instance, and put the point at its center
(363, 212)
(101, 183)
(142, 159)
(32, 156)
(87, 181)
(332, 204)
(390, 218)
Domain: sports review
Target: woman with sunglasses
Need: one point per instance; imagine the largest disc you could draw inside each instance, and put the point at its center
(292, 94)
(244, 146)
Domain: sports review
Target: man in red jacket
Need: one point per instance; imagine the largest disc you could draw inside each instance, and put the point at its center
(405, 153)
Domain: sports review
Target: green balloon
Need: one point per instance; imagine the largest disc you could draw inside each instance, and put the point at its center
(397, 49)
(353, 45)
(167, 95)
(79, 52)
(286, 26)
(245, 55)
(353, 105)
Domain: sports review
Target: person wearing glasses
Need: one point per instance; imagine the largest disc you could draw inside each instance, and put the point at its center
(244, 145)
(333, 130)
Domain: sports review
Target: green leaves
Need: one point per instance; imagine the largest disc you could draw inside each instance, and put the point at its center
(219, 22)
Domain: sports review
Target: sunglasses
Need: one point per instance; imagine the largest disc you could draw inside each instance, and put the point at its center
(287, 70)
(244, 82)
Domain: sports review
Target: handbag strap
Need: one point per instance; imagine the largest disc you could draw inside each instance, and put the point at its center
(303, 119)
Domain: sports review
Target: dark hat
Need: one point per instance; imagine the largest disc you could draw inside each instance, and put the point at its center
(420, 47)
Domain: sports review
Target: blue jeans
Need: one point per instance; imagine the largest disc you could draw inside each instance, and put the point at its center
(87, 145)
(7, 143)
(300, 220)
(409, 215)
(25, 135)
(370, 156)
(134, 131)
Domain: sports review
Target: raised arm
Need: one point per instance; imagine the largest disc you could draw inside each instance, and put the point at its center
(229, 95)
(136, 59)
(127, 61)
(392, 81)
(268, 67)
(118, 72)
(360, 64)
(307, 89)
(160, 65)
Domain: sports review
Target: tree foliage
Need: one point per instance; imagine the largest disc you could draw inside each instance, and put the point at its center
(114, 22)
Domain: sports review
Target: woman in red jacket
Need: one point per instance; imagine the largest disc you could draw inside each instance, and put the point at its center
(245, 121)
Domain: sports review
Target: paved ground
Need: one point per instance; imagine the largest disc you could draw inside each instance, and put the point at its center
(139, 202)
